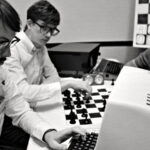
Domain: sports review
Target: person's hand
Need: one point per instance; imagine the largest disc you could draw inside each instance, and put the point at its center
(76, 84)
(79, 84)
(54, 139)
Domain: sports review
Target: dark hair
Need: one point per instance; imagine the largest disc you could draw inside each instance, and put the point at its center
(9, 16)
(45, 11)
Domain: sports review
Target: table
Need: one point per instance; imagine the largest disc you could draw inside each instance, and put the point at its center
(53, 112)
(131, 99)
(50, 110)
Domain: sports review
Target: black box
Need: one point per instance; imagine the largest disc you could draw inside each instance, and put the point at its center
(74, 59)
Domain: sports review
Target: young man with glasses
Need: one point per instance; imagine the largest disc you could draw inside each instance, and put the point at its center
(13, 104)
(30, 65)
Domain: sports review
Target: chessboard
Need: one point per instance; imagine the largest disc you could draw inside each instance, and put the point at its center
(86, 111)
(142, 24)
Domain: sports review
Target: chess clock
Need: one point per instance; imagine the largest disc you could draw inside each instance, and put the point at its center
(94, 78)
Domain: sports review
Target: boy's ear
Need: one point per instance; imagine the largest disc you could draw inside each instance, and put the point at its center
(29, 23)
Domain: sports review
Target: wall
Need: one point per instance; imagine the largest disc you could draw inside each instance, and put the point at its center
(96, 20)
(120, 53)
(89, 20)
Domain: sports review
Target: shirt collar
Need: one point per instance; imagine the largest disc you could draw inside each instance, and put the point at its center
(26, 41)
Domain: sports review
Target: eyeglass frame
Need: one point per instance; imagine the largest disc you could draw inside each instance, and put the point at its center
(47, 29)
(10, 44)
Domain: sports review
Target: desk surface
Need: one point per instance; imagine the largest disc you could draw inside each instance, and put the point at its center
(131, 87)
(53, 112)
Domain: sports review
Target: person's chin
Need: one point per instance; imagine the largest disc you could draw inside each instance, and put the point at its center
(2, 61)
(44, 41)
(41, 43)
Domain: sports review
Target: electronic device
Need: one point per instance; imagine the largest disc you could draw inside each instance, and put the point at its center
(109, 68)
(124, 127)
(94, 79)
(74, 59)
(126, 121)
(89, 144)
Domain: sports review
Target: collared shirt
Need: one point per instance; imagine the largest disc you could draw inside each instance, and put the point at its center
(13, 105)
(32, 70)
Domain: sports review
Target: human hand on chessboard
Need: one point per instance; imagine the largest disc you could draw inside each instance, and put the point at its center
(76, 84)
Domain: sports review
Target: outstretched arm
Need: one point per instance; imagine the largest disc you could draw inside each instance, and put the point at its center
(76, 84)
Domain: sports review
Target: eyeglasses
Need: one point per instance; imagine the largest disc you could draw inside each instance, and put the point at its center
(46, 29)
(6, 44)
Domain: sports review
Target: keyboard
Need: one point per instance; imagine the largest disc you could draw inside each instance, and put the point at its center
(88, 144)
(111, 67)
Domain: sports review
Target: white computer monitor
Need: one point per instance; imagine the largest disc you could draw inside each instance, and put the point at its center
(126, 121)
(124, 127)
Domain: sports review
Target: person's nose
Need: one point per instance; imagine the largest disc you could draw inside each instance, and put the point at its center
(48, 35)
(7, 53)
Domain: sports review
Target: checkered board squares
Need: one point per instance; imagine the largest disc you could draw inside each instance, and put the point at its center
(142, 24)
(94, 108)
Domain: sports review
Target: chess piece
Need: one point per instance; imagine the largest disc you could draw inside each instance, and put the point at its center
(78, 102)
(112, 83)
(104, 105)
(72, 117)
(68, 101)
(84, 112)
(77, 93)
(86, 121)
(87, 98)
(66, 93)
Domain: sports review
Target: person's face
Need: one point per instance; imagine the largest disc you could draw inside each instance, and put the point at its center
(40, 33)
(6, 35)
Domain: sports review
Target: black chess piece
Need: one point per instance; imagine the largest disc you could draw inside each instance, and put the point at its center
(84, 112)
(77, 93)
(67, 93)
(87, 98)
(78, 102)
(72, 117)
(68, 102)
(86, 121)
(102, 109)
(113, 82)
